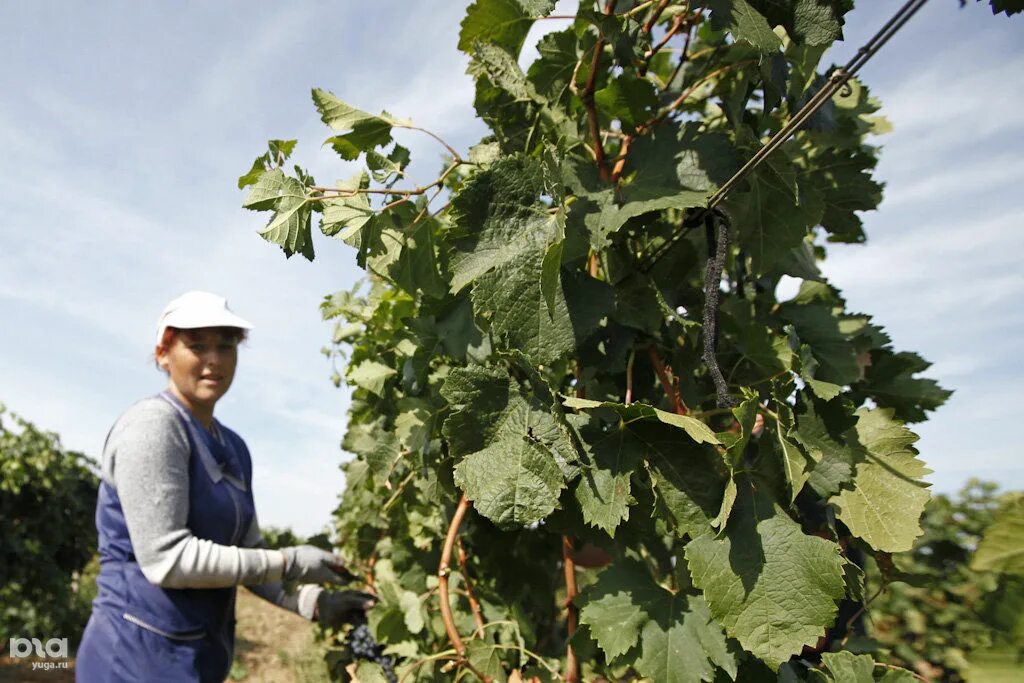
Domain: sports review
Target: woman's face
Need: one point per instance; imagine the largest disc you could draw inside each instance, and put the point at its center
(201, 364)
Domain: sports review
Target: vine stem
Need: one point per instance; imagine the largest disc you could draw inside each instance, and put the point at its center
(442, 585)
(588, 100)
(568, 564)
(670, 388)
(620, 162)
(447, 654)
(900, 668)
(370, 564)
(456, 157)
(691, 23)
(859, 612)
(655, 15)
(474, 605)
(572, 612)
(677, 102)
(404, 194)
(674, 29)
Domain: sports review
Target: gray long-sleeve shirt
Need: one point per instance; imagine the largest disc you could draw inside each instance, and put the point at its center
(146, 459)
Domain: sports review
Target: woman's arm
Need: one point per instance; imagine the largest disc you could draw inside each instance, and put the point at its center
(301, 601)
(146, 458)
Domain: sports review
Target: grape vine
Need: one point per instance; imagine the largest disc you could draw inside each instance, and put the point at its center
(557, 476)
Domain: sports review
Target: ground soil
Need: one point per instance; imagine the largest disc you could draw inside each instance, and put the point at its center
(272, 645)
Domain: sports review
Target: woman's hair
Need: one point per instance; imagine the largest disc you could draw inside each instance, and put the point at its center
(237, 334)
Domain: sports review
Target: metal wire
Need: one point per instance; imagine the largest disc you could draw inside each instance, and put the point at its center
(839, 78)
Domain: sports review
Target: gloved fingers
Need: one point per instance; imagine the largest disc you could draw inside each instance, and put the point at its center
(344, 607)
(328, 575)
(350, 599)
(342, 570)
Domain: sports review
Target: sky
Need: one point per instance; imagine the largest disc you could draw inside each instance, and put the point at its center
(125, 125)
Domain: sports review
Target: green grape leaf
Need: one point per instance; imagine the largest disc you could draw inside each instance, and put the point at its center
(370, 375)
(689, 479)
(604, 489)
(362, 131)
(745, 414)
(344, 217)
(682, 643)
(667, 169)
(891, 383)
(697, 430)
(410, 260)
(744, 23)
(773, 217)
(250, 177)
(517, 455)
(504, 23)
(846, 667)
(513, 482)
(497, 220)
(550, 276)
(289, 226)
(1002, 547)
(807, 22)
(678, 639)
(773, 587)
(486, 658)
(512, 297)
(629, 99)
(728, 501)
(370, 672)
(820, 329)
(826, 433)
(794, 463)
(887, 497)
(637, 304)
(618, 604)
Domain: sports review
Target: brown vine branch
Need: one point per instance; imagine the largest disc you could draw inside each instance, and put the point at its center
(676, 103)
(863, 608)
(677, 24)
(620, 161)
(398, 491)
(451, 150)
(442, 586)
(343, 193)
(588, 100)
(448, 654)
(655, 15)
(667, 384)
(572, 612)
(691, 24)
(474, 605)
(370, 563)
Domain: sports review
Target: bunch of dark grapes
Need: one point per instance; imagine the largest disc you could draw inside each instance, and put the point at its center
(362, 645)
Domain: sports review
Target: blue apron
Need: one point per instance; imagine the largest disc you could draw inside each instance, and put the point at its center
(139, 631)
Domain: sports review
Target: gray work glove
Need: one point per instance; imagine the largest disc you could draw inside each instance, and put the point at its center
(309, 564)
(343, 607)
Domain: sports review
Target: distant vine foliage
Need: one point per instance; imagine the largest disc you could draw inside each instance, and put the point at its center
(47, 504)
(530, 338)
(953, 608)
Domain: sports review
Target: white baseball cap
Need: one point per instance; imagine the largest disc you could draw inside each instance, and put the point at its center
(198, 309)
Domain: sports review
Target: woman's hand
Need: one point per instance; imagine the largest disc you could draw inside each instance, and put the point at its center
(343, 607)
(309, 564)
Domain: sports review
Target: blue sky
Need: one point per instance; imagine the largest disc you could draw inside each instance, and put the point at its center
(125, 125)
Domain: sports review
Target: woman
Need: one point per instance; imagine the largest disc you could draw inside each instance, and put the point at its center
(177, 525)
